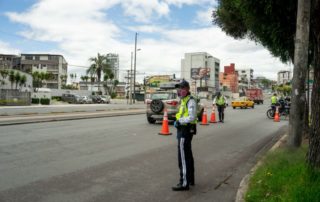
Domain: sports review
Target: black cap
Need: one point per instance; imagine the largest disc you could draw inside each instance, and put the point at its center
(183, 84)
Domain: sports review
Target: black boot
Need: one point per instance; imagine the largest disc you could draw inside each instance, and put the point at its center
(179, 187)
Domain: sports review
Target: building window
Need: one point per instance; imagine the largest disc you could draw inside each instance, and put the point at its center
(37, 57)
(29, 57)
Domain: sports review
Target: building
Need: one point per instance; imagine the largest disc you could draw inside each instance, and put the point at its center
(201, 70)
(245, 79)
(55, 64)
(229, 79)
(8, 61)
(284, 77)
(113, 61)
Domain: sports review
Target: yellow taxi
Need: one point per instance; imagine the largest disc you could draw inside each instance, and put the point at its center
(243, 102)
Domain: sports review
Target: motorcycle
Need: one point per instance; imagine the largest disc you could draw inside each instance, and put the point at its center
(284, 110)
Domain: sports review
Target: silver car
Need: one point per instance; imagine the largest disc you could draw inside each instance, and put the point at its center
(169, 100)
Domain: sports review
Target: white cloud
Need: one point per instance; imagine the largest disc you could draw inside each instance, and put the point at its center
(204, 17)
(82, 28)
(6, 48)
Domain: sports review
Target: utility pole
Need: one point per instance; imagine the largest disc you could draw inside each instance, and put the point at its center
(128, 82)
(134, 71)
(130, 95)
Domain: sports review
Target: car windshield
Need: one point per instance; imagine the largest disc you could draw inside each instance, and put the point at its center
(162, 96)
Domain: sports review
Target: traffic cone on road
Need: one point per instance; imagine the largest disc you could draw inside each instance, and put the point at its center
(165, 124)
(276, 116)
(204, 118)
(213, 115)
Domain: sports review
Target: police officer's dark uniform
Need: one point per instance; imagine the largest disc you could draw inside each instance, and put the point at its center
(186, 120)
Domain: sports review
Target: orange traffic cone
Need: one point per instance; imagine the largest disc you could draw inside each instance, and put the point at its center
(165, 126)
(213, 116)
(276, 116)
(204, 118)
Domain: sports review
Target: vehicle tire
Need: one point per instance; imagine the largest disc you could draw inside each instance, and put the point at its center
(156, 106)
(151, 120)
(261, 102)
(234, 107)
(252, 106)
(270, 113)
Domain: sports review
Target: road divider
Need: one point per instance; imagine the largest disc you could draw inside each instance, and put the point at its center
(27, 119)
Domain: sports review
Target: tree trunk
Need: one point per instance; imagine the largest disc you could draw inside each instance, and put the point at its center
(313, 157)
(299, 73)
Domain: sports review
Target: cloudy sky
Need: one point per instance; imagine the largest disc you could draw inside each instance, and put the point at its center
(79, 29)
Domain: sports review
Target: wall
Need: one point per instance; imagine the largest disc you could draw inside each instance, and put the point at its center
(10, 97)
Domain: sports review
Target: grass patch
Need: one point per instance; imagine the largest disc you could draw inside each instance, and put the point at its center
(284, 176)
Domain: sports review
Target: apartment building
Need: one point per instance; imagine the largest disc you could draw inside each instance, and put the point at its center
(9, 61)
(55, 64)
(229, 79)
(201, 70)
(284, 77)
(113, 61)
(245, 78)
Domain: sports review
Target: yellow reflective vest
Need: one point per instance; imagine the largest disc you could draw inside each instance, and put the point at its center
(183, 110)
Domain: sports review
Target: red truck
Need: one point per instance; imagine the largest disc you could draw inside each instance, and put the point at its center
(255, 94)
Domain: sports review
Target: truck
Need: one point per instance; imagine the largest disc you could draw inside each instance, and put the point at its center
(255, 94)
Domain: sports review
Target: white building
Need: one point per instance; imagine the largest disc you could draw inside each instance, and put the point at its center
(245, 78)
(55, 64)
(284, 77)
(113, 61)
(201, 70)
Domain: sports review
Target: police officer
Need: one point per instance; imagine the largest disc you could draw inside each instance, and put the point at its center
(186, 120)
(274, 99)
(221, 102)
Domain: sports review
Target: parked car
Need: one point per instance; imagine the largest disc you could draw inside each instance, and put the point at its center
(71, 98)
(86, 100)
(169, 100)
(242, 103)
(95, 98)
(105, 99)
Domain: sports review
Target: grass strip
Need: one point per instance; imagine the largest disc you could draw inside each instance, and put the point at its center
(284, 176)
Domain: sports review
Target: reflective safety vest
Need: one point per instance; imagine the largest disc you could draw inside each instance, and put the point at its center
(273, 100)
(183, 110)
(220, 101)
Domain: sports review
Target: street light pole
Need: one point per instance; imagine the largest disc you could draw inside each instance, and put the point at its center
(134, 71)
(130, 95)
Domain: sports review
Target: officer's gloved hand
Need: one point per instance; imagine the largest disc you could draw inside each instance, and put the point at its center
(177, 124)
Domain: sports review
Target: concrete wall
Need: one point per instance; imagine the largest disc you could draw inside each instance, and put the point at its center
(10, 97)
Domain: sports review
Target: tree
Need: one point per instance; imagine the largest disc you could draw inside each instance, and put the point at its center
(264, 22)
(11, 78)
(39, 78)
(98, 66)
(17, 78)
(23, 80)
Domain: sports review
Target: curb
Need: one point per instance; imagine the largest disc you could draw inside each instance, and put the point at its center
(65, 117)
(244, 184)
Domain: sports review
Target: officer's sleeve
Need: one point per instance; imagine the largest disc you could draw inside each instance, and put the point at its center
(192, 111)
(214, 100)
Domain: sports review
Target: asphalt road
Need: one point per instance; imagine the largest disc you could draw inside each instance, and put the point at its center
(124, 159)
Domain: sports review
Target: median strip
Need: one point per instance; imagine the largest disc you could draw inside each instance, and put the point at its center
(4, 121)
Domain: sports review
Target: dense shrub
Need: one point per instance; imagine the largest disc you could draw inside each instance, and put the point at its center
(45, 101)
(35, 100)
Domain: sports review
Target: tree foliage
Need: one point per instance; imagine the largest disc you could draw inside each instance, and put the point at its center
(271, 23)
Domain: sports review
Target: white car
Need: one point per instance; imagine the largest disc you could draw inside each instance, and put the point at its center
(105, 99)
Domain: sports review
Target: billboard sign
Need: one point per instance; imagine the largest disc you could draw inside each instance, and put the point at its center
(200, 73)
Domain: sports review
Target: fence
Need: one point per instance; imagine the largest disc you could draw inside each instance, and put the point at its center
(10, 97)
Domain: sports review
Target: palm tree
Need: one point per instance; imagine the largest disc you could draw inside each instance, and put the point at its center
(17, 78)
(11, 78)
(99, 65)
(23, 80)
